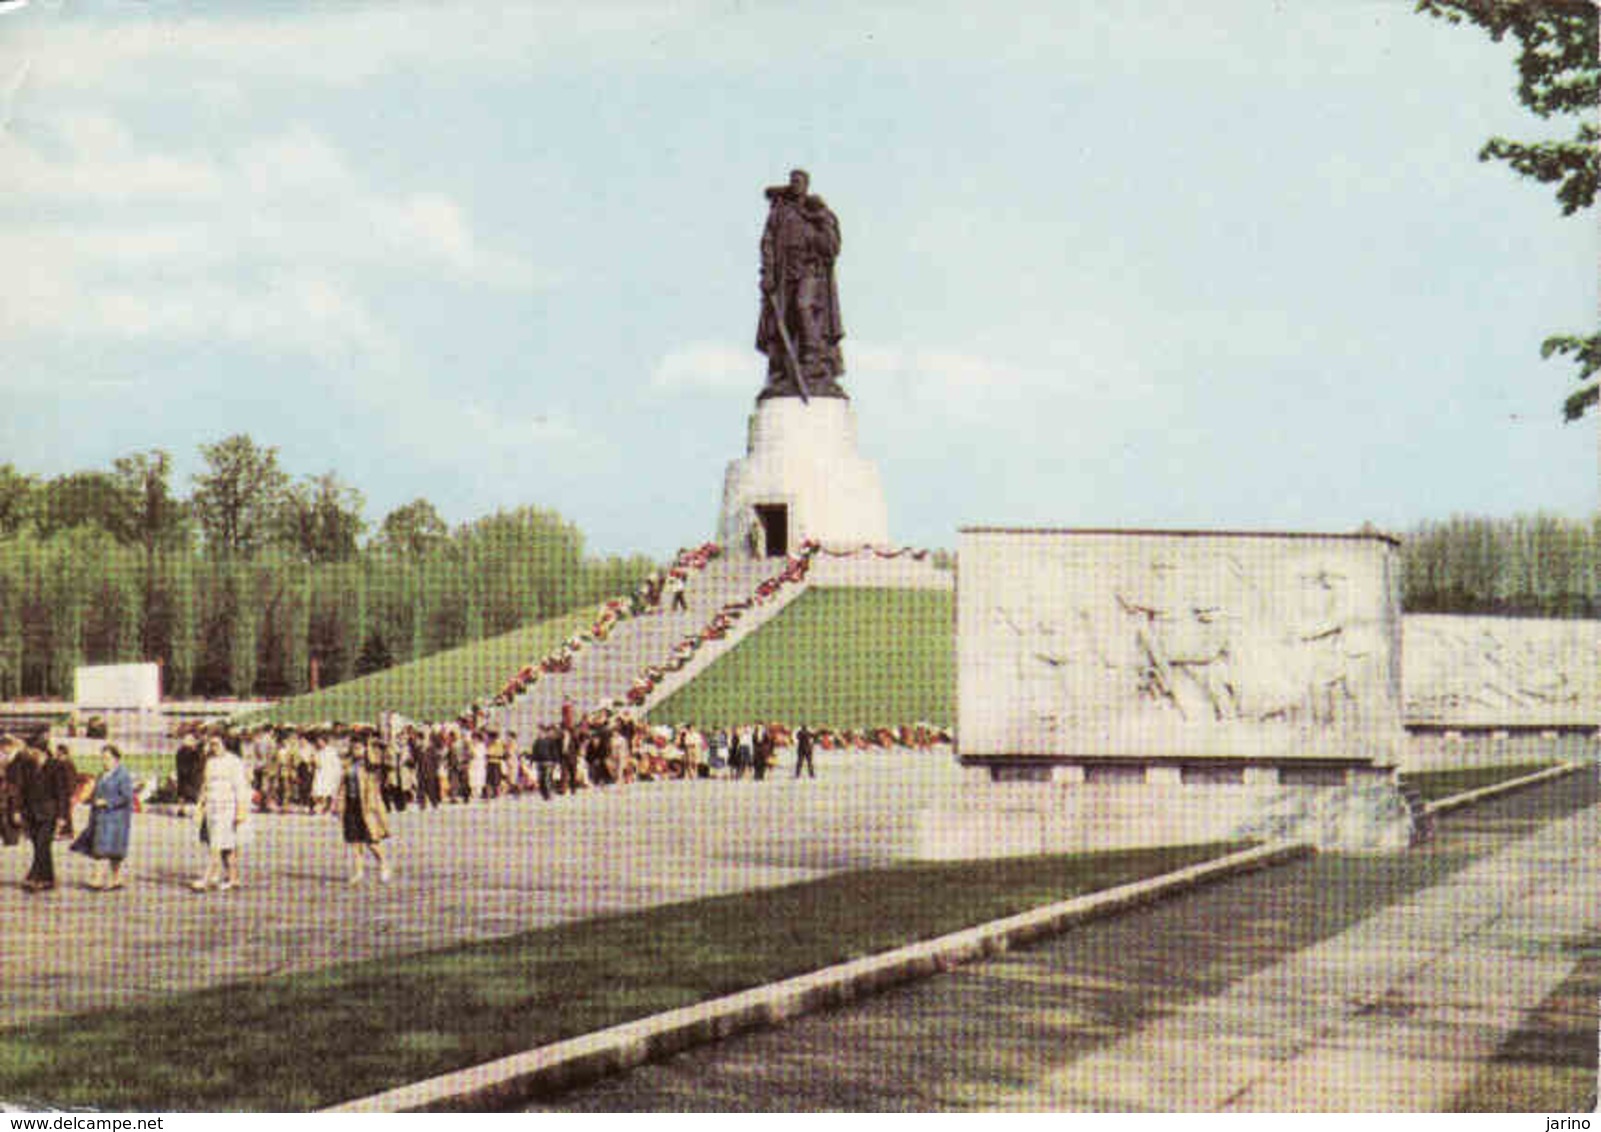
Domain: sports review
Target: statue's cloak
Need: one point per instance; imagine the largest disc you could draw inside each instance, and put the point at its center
(825, 240)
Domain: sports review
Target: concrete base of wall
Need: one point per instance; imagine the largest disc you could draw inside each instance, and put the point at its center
(1448, 749)
(1012, 819)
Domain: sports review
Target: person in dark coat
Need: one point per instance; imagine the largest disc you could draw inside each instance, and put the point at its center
(547, 757)
(359, 805)
(762, 747)
(64, 768)
(739, 752)
(42, 794)
(425, 759)
(190, 768)
(12, 752)
(803, 752)
(105, 838)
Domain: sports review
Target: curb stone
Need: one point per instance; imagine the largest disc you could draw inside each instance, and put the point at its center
(1495, 789)
(566, 1064)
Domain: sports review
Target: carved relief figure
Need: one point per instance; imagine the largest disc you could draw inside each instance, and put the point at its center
(1184, 654)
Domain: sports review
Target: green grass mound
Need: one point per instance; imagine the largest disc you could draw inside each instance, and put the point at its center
(841, 658)
(436, 687)
(312, 1039)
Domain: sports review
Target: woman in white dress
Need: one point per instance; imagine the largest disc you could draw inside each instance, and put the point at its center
(477, 767)
(224, 816)
(325, 782)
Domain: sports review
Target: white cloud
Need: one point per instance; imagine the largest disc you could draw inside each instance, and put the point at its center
(491, 426)
(343, 45)
(346, 45)
(270, 243)
(295, 164)
(940, 385)
(95, 163)
(966, 386)
(291, 312)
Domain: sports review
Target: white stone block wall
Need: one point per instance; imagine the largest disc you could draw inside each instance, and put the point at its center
(1502, 670)
(1194, 644)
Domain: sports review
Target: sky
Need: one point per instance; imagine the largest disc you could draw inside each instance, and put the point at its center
(1230, 263)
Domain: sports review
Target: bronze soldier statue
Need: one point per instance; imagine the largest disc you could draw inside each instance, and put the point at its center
(800, 327)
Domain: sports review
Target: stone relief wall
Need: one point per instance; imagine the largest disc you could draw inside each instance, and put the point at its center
(1500, 670)
(1076, 643)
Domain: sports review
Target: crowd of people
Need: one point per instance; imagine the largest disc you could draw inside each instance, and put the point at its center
(359, 774)
(300, 769)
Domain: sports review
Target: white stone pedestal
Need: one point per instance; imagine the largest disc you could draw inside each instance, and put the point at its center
(801, 478)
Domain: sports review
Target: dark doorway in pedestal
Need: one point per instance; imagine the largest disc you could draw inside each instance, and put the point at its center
(774, 518)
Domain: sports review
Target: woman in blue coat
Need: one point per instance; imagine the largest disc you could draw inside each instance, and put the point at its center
(106, 837)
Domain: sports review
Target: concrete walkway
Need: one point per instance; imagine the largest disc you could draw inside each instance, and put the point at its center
(1393, 1015)
(1337, 983)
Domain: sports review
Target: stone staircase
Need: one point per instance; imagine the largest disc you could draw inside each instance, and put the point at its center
(606, 670)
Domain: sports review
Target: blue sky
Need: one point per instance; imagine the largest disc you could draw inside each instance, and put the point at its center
(1184, 264)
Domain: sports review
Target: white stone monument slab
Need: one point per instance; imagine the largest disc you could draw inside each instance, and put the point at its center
(1079, 644)
(802, 469)
(1477, 671)
(117, 687)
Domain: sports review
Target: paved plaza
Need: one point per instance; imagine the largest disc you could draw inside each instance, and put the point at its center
(462, 873)
(1341, 982)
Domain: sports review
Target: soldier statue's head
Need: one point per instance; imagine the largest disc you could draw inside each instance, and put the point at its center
(799, 182)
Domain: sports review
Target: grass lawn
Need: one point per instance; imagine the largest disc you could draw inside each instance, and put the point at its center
(308, 1040)
(435, 687)
(1437, 784)
(842, 658)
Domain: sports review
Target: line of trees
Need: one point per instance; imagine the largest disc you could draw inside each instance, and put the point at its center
(1525, 566)
(256, 581)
